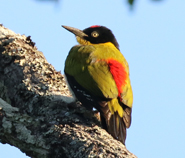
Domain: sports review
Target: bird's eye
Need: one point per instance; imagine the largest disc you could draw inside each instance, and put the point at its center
(94, 34)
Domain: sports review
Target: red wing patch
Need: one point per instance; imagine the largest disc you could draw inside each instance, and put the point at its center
(118, 72)
(94, 26)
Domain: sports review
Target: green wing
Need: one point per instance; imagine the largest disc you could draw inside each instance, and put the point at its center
(90, 72)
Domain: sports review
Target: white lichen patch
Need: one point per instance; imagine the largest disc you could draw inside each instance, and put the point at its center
(7, 108)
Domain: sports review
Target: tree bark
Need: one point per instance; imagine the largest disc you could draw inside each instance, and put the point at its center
(38, 114)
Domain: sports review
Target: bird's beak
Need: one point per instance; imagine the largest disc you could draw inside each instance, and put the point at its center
(75, 31)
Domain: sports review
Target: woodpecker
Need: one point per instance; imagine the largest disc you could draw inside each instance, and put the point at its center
(98, 75)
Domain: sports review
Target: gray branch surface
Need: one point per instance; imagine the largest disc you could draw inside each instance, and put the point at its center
(38, 114)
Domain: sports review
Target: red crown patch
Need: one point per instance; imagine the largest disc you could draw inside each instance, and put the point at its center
(94, 26)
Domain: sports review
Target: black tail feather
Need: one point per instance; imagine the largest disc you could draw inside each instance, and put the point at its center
(114, 124)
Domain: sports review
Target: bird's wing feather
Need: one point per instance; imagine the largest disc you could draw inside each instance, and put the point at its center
(90, 73)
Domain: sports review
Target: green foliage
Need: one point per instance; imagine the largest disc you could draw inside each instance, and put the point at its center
(131, 2)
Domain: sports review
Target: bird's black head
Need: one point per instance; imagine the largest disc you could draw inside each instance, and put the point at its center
(100, 34)
(95, 34)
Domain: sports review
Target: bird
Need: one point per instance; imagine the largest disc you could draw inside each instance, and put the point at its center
(98, 76)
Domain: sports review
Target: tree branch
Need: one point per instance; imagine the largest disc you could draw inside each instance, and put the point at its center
(37, 113)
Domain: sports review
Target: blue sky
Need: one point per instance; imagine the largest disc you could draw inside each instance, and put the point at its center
(152, 39)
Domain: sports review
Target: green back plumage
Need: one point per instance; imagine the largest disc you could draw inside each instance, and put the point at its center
(83, 64)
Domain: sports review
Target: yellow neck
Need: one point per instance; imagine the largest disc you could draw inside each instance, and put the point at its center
(82, 41)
